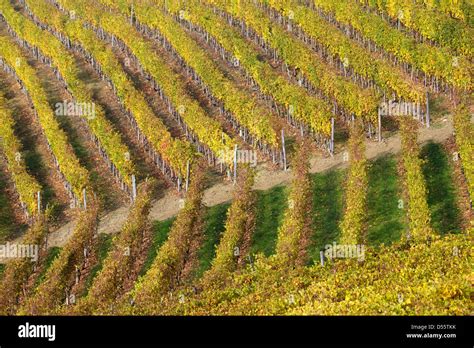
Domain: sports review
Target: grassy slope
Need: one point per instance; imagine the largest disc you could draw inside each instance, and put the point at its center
(385, 219)
(105, 242)
(160, 233)
(52, 254)
(327, 209)
(271, 206)
(215, 225)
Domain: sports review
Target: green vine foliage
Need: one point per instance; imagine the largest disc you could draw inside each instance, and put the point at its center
(452, 33)
(295, 233)
(239, 102)
(65, 62)
(464, 141)
(434, 61)
(239, 226)
(176, 254)
(26, 185)
(361, 102)
(419, 219)
(369, 65)
(69, 165)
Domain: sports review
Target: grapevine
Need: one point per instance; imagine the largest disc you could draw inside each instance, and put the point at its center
(52, 48)
(134, 102)
(107, 286)
(464, 139)
(361, 102)
(353, 223)
(305, 108)
(238, 102)
(295, 232)
(239, 226)
(419, 218)
(25, 184)
(365, 64)
(17, 271)
(434, 61)
(69, 166)
(444, 30)
(52, 291)
(461, 9)
(166, 271)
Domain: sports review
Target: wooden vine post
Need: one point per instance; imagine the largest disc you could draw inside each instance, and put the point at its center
(427, 110)
(379, 131)
(418, 111)
(187, 176)
(331, 146)
(235, 164)
(283, 148)
(38, 197)
(134, 188)
(84, 196)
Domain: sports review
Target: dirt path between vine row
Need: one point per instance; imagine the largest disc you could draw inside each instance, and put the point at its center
(169, 205)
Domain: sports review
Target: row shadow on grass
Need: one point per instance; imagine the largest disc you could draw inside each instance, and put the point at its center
(327, 212)
(386, 220)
